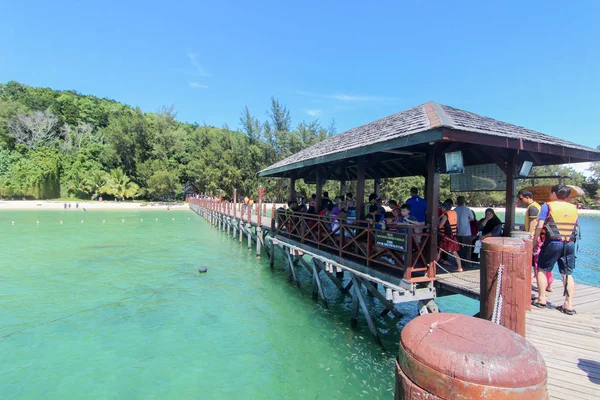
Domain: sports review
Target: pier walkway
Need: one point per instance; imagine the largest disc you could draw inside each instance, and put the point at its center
(570, 344)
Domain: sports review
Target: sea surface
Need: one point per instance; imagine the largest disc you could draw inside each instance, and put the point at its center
(110, 304)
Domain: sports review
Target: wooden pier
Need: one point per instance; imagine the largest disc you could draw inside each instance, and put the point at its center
(570, 344)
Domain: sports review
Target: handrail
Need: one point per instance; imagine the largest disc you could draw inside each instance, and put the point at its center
(348, 238)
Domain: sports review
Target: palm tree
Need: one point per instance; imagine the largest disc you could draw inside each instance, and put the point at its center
(97, 180)
(120, 185)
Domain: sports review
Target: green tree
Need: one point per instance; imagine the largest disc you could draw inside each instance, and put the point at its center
(163, 183)
(120, 185)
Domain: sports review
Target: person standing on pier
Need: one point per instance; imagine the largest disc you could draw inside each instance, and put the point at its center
(557, 226)
(531, 215)
(448, 229)
(463, 234)
(418, 206)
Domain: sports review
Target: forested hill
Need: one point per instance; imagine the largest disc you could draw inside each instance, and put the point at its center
(64, 144)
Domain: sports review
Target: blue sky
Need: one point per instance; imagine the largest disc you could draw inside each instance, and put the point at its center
(532, 63)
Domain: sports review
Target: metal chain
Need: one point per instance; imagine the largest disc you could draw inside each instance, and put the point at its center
(459, 243)
(579, 263)
(497, 313)
(457, 275)
(462, 259)
(588, 253)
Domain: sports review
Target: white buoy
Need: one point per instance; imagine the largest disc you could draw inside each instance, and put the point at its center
(13, 222)
(61, 222)
(103, 221)
(37, 222)
(188, 218)
(173, 219)
(82, 221)
(122, 220)
(142, 220)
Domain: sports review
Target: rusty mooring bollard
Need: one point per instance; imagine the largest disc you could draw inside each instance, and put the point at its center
(526, 238)
(503, 266)
(452, 356)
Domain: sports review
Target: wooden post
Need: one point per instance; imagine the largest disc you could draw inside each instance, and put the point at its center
(511, 193)
(504, 264)
(360, 189)
(342, 188)
(433, 199)
(319, 191)
(292, 193)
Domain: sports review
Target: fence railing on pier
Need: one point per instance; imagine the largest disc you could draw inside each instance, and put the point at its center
(357, 240)
(404, 251)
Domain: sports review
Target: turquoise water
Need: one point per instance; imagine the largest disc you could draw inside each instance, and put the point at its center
(118, 310)
(112, 309)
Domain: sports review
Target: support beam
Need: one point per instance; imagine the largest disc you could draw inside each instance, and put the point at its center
(511, 192)
(343, 188)
(365, 310)
(360, 188)
(433, 199)
(292, 192)
(317, 280)
(319, 191)
(377, 186)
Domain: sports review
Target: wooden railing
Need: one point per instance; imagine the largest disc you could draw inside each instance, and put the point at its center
(404, 251)
(359, 241)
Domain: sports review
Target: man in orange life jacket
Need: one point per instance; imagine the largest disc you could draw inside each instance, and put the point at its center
(557, 226)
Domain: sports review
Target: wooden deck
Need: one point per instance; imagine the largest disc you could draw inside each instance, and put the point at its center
(569, 344)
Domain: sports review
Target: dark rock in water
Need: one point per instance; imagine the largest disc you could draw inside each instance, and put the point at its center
(202, 269)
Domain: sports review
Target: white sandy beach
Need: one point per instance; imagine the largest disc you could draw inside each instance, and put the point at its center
(88, 205)
(130, 205)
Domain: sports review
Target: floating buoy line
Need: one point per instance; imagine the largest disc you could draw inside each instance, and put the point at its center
(62, 222)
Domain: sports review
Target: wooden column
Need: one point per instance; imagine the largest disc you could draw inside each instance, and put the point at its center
(292, 194)
(319, 191)
(433, 199)
(377, 185)
(511, 192)
(360, 188)
(342, 188)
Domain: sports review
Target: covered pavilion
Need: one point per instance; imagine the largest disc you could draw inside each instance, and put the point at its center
(414, 142)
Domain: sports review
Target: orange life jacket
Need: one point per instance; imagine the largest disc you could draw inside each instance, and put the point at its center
(561, 223)
(451, 225)
(528, 219)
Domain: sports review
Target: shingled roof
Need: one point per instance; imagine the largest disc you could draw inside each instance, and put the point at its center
(430, 116)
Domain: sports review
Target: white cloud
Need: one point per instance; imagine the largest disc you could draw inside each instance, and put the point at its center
(582, 168)
(346, 97)
(197, 69)
(314, 112)
(197, 85)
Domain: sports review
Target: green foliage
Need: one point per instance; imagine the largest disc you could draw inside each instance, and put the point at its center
(119, 185)
(163, 183)
(69, 150)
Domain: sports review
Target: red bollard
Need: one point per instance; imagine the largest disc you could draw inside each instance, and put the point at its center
(526, 238)
(452, 356)
(515, 294)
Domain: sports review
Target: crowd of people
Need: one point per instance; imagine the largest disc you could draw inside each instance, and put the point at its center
(552, 226)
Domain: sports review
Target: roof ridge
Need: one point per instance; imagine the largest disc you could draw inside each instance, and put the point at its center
(442, 114)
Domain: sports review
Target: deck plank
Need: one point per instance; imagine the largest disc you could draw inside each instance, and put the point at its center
(569, 344)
